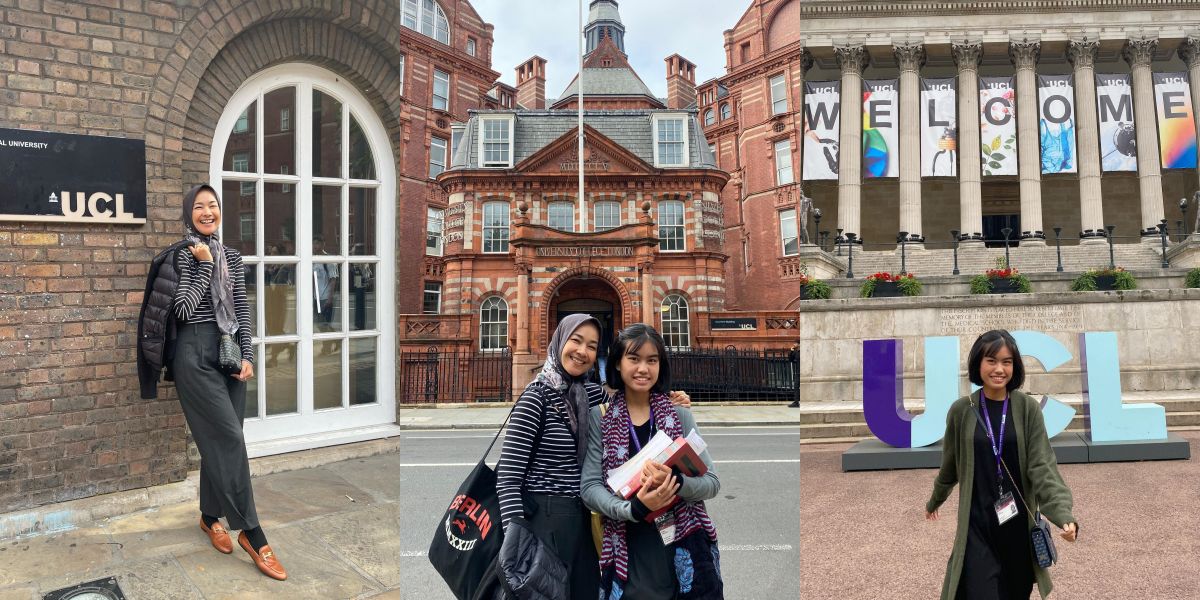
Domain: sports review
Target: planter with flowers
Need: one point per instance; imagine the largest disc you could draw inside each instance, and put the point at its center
(886, 285)
(1104, 280)
(813, 289)
(1001, 280)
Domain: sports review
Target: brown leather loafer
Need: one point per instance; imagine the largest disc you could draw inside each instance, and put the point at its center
(218, 536)
(266, 561)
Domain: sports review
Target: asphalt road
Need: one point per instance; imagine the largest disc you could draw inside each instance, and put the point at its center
(756, 513)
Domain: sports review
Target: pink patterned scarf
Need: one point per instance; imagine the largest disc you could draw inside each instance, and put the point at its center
(614, 429)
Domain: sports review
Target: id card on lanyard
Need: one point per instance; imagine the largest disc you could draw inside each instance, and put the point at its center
(665, 523)
(1006, 506)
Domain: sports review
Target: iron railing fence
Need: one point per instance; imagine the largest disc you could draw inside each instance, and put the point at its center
(435, 375)
(738, 375)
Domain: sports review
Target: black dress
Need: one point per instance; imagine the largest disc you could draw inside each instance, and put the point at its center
(998, 563)
(651, 563)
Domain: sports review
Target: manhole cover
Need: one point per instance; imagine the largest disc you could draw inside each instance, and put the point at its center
(100, 589)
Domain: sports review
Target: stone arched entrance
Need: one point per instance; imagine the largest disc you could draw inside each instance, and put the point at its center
(585, 290)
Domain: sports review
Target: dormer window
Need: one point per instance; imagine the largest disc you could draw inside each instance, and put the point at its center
(495, 141)
(670, 140)
(426, 17)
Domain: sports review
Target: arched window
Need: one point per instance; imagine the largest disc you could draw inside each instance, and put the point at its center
(709, 119)
(725, 111)
(676, 328)
(493, 324)
(427, 17)
(561, 216)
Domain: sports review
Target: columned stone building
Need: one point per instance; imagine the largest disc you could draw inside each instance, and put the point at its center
(1065, 104)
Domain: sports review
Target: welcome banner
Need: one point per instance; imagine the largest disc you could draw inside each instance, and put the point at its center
(1118, 141)
(939, 128)
(998, 125)
(881, 137)
(1176, 127)
(822, 118)
(1056, 123)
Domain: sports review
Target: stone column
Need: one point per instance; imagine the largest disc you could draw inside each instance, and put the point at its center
(852, 60)
(806, 63)
(910, 57)
(1024, 55)
(967, 56)
(524, 269)
(1189, 51)
(1138, 53)
(647, 294)
(1082, 55)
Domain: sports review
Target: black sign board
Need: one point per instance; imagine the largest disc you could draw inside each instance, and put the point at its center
(47, 176)
(741, 323)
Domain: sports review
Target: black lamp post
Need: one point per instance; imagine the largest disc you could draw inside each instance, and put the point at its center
(817, 225)
(1183, 206)
(1179, 226)
(1162, 234)
(954, 236)
(838, 241)
(903, 239)
(1006, 231)
(824, 237)
(1058, 246)
(850, 248)
(1112, 261)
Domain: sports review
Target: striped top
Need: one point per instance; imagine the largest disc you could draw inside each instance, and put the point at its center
(193, 301)
(553, 469)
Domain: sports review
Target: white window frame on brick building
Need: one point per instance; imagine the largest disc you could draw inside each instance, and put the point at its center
(437, 155)
(607, 215)
(426, 17)
(286, 413)
(472, 46)
(434, 231)
(671, 235)
(670, 131)
(441, 82)
(676, 324)
(493, 324)
(432, 293)
(496, 223)
(709, 117)
(783, 163)
(778, 84)
(788, 233)
(496, 141)
(560, 215)
(726, 112)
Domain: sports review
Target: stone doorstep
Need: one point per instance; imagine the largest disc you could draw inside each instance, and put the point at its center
(65, 516)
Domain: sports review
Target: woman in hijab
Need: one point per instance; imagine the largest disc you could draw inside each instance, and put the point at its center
(213, 360)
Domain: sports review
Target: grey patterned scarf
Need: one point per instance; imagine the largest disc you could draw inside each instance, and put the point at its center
(553, 375)
(221, 287)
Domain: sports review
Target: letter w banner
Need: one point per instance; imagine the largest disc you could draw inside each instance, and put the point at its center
(1176, 126)
(466, 543)
(1118, 138)
(939, 128)
(998, 125)
(822, 123)
(1056, 124)
(881, 137)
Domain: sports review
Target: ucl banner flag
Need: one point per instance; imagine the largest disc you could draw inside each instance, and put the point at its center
(881, 137)
(1176, 127)
(1056, 123)
(998, 125)
(822, 120)
(939, 128)
(1118, 139)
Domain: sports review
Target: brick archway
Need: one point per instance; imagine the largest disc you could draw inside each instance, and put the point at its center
(626, 303)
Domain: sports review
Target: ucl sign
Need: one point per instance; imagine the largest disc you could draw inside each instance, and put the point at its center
(1107, 418)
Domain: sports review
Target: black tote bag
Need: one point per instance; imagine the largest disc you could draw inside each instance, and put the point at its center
(466, 543)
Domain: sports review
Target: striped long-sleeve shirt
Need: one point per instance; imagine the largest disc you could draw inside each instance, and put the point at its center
(552, 469)
(193, 301)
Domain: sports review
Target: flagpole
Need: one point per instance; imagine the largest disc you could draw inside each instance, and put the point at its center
(579, 102)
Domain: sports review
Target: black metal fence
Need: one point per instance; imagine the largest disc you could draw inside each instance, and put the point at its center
(710, 374)
(436, 375)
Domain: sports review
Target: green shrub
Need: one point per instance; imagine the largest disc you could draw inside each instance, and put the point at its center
(1193, 278)
(817, 290)
(1086, 282)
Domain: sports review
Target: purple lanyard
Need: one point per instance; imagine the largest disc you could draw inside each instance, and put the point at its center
(997, 445)
(633, 434)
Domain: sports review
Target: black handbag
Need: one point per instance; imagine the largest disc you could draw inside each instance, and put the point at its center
(466, 543)
(530, 569)
(229, 355)
(1040, 536)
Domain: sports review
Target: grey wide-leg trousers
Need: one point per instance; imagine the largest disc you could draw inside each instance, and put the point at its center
(214, 404)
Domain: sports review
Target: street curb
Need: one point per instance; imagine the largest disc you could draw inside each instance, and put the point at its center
(478, 426)
(73, 514)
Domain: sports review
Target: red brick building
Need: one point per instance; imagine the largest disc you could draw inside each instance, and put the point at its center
(752, 119)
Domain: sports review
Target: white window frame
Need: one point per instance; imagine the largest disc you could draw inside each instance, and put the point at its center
(456, 134)
(472, 46)
(437, 291)
(487, 340)
(285, 119)
(710, 118)
(502, 231)
(416, 15)
(726, 112)
(440, 77)
(285, 188)
(433, 153)
(670, 310)
(610, 218)
(435, 228)
(788, 232)
(778, 85)
(554, 212)
(683, 120)
(242, 125)
(245, 219)
(783, 163)
(669, 233)
(509, 121)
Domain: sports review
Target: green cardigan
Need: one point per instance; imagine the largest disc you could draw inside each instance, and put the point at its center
(1044, 487)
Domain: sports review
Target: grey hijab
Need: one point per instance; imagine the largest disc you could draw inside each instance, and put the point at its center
(221, 286)
(553, 375)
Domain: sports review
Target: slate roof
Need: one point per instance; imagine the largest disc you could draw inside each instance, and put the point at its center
(603, 10)
(536, 129)
(608, 82)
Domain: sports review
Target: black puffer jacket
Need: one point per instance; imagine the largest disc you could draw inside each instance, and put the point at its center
(156, 322)
(529, 568)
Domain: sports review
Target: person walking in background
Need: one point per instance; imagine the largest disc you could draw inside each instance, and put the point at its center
(637, 562)
(997, 450)
(213, 360)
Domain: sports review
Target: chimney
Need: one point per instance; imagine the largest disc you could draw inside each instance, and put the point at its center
(531, 83)
(681, 82)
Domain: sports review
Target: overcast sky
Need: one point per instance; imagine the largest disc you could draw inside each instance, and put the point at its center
(654, 29)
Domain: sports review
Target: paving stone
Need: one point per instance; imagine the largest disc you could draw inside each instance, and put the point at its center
(370, 539)
(84, 551)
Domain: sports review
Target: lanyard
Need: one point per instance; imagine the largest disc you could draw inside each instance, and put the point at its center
(996, 444)
(633, 434)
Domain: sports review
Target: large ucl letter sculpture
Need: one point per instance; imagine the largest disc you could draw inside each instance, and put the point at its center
(1107, 419)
